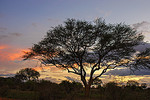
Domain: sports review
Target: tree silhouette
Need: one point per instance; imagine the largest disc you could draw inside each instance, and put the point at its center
(131, 83)
(143, 85)
(77, 45)
(27, 74)
(98, 82)
(70, 86)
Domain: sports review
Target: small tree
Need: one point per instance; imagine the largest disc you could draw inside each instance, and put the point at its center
(98, 82)
(27, 74)
(78, 45)
(132, 83)
(67, 86)
(143, 85)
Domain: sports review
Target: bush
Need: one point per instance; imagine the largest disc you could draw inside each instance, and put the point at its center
(113, 91)
(70, 87)
(4, 91)
(49, 91)
(23, 95)
(29, 86)
(143, 85)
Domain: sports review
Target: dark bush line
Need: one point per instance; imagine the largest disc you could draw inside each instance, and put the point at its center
(46, 90)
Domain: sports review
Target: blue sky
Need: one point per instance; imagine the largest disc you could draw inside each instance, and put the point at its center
(35, 17)
(129, 11)
(25, 22)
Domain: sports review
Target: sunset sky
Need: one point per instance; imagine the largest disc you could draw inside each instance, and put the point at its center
(25, 22)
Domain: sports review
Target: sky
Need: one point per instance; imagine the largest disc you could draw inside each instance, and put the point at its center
(25, 22)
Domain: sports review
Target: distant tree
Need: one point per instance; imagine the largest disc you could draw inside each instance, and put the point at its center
(78, 45)
(49, 90)
(70, 86)
(66, 85)
(77, 85)
(112, 91)
(97, 82)
(111, 85)
(143, 85)
(8, 81)
(27, 74)
(131, 83)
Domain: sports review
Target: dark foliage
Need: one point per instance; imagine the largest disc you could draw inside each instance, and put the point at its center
(46, 90)
(69, 87)
(27, 74)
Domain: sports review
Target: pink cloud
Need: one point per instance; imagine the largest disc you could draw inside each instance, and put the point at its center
(3, 47)
(8, 53)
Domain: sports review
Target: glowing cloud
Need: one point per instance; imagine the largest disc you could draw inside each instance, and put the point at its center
(8, 53)
(3, 47)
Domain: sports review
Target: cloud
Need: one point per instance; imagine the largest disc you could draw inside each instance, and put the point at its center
(55, 80)
(142, 24)
(145, 79)
(127, 71)
(124, 79)
(141, 48)
(3, 47)
(144, 28)
(11, 60)
(9, 53)
(7, 75)
(72, 79)
(43, 68)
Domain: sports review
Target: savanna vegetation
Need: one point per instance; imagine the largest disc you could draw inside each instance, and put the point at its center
(46, 90)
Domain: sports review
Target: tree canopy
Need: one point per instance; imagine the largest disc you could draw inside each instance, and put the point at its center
(27, 74)
(78, 44)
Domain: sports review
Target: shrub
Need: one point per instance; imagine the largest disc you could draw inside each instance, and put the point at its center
(4, 91)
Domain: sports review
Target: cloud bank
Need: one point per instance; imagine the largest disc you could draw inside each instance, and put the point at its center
(144, 28)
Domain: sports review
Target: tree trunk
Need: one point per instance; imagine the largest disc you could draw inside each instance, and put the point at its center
(87, 90)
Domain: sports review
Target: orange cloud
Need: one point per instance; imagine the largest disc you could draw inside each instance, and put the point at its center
(3, 47)
(42, 68)
(8, 53)
(38, 68)
(17, 55)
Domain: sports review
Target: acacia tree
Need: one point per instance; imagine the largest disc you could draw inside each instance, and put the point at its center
(78, 44)
(27, 74)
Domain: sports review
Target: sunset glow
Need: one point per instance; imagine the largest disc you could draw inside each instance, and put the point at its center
(3, 47)
(10, 54)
